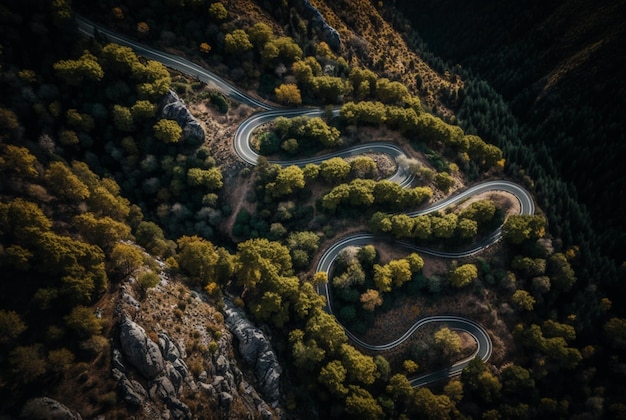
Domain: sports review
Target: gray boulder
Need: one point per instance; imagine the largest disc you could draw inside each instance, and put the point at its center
(169, 349)
(225, 401)
(45, 408)
(117, 362)
(162, 389)
(173, 108)
(257, 352)
(132, 391)
(140, 351)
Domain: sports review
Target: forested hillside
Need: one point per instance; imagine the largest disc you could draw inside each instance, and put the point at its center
(558, 65)
(259, 245)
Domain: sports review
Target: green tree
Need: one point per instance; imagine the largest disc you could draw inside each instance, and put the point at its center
(237, 42)
(25, 220)
(18, 163)
(444, 181)
(198, 258)
(18, 257)
(306, 355)
(383, 368)
(217, 11)
(68, 137)
(123, 118)
(121, 60)
(60, 360)
(150, 236)
(463, 275)
(143, 109)
(288, 94)
(336, 197)
(362, 80)
(303, 72)
(399, 387)
(305, 241)
(287, 181)
(319, 278)
(260, 34)
(125, 259)
(310, 172)
(363, 167)
(448, 343)
(416, 263)
(83, 122)
(317, 130)
(523, 300)
(308, 300)
(517, 382)
(489, 386)
(402, 225)
(325, 330)
(615, 329)
(328, 88)
(391, 92)
(383, 278)
(106, 200)
(529, 267)
(290, 146)
(353, 275)
(361, 404)
(400, 271)
(83, 321)
(281, 50)
(333, 376)
(75, 72)
(445, 226)
(334, 170)
(168, 131)
(360, 368)
(27, 363)
(211, 179)
(562, 275)
(454, 390)
(11, 326)
(430, 406)
(467, 228)
(387, 192)
(262, 260)
(101, 231)
(148, 280)
(519, 228)
(481, 211)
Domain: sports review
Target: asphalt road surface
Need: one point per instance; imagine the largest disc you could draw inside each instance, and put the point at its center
(401, 176)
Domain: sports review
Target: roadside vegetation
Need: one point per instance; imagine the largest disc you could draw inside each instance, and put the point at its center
(97, 183)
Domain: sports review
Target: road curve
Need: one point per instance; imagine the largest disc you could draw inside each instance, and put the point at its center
(402, 177)
(90, 29)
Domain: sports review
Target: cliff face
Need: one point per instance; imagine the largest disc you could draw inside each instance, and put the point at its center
(181, 363)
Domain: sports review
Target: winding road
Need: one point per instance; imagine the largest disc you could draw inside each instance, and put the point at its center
(402, 176)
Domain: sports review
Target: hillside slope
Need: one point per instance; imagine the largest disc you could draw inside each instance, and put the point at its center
(559, 65)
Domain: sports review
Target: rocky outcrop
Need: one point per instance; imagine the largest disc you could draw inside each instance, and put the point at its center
(131, 391)
(173, 108)
(327, 33)
(153, 375)
(257, 352)
(45, 408)
(141, 352)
